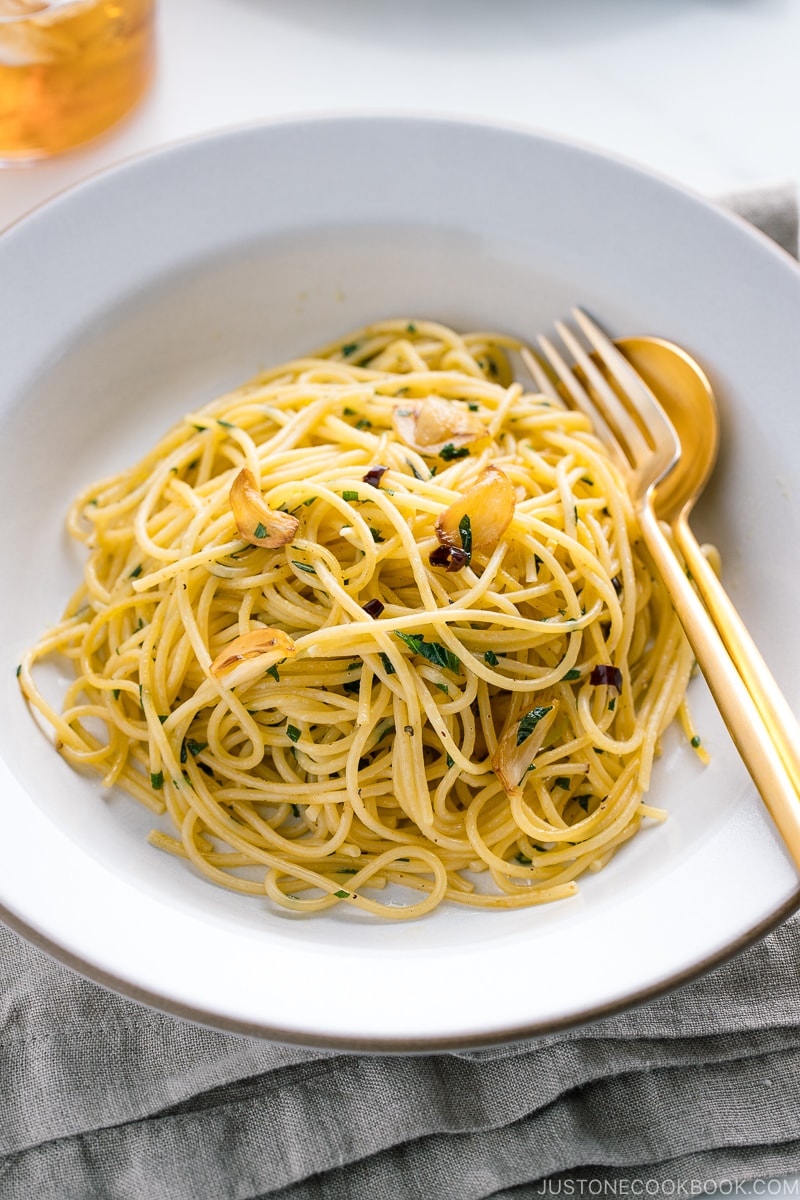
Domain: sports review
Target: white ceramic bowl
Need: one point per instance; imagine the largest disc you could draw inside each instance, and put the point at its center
(145, 292)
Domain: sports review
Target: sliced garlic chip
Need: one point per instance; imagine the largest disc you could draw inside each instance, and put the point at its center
(520, 742)
(251, 655)
(427, 426)
(258, 524)
(489, 504)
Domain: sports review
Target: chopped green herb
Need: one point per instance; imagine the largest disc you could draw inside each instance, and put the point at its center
(529, 722)
(523, 859)
(348, 412)
(450, 452)
(465, 530)
(491, 658)
(293, 733)
(310, 501)
(354, 685)
(295, 810)
(156, 780)
(695, 741)
(572, 673)
(136, 572)
(563, 781)
(612, 703)
(225, 424)
(347, 870)
(443, 688)
(115, 692)
(304, 567)
(349, 348)
(162, 717)
(273, 671)
(341, 894)
(583, 801)
(349, 496)
(363, 424)
(473, 407)
(411, 327)
(377, 536)
(388, 666)
(414, 470)
(450, 761)
(260, 530)
(433, 651)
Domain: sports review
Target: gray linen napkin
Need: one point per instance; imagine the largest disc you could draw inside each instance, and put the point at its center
(104, 1098)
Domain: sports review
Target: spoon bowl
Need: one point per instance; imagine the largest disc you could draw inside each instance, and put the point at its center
(688, 400)
(686, 396)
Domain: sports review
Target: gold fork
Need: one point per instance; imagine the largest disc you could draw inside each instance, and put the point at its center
(644, 462)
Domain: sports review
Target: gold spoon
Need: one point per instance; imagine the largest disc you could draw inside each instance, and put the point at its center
(688, 400)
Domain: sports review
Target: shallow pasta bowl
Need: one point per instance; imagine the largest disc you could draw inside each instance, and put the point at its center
(150, 289)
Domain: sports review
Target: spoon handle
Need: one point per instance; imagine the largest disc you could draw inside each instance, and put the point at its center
(769, 699)
(750, 734)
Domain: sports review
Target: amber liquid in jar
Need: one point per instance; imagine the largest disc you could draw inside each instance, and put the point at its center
(69, 70)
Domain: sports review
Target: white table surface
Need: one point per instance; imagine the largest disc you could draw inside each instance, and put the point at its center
(706, 92)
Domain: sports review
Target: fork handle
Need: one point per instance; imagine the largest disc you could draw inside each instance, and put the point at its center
(769, 699)
(737, 707)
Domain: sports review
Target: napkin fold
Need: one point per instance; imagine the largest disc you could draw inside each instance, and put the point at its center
(688, 1094)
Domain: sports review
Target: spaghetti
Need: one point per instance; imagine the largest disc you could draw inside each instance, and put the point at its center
(373, 629)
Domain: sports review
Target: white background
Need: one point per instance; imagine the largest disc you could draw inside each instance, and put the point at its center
(706, 92)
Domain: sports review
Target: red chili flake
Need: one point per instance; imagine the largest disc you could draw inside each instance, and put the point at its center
(374, 476)
(373, 608)
(605, 673)
(452, 558)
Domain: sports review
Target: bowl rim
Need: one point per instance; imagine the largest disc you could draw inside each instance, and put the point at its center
(422, 1043)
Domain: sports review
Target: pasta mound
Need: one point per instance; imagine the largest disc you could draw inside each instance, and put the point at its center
(374, 629)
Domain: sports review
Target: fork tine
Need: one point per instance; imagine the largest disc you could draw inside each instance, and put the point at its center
(630, 382)
(539, 375)
(580, 397)
(614, 410)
